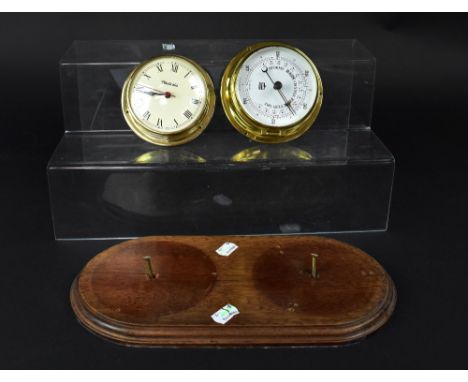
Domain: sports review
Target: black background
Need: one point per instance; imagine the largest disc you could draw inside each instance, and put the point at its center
(420, 112)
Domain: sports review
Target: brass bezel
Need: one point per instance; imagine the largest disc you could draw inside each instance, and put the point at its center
(173, 138)
(245, 124)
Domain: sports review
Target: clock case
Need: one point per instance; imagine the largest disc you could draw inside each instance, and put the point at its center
(105, 182)
(173, 138)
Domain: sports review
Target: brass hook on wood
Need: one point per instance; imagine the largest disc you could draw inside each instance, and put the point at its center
(313, 271)
(149, 268)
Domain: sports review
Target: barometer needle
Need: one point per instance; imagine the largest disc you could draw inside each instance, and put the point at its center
(286, 102)
(277, 86)
(265, 70)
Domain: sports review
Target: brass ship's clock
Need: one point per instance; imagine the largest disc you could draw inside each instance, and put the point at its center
(271, 92)
(168, 100)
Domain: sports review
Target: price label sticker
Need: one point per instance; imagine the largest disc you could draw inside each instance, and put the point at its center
(225, 314)
(226, 249)
(168, 46)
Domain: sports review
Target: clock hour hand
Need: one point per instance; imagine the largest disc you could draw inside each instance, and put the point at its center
(277, 86)
(148, 90)
(151, 91)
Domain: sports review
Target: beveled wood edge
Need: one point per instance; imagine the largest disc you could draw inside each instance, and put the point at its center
(234, 335)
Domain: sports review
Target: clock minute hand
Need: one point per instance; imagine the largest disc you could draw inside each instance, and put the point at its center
(148, 90)
(277, 86)
(152, 91)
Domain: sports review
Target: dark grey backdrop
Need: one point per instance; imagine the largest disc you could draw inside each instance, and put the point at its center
(421, 104)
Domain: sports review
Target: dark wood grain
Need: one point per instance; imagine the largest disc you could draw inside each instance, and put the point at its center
(267, 278)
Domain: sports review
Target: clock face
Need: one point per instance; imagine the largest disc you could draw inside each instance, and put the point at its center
(168, 94)
(276, 86)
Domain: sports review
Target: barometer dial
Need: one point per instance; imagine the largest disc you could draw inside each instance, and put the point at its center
(168, 100)
(271, 92)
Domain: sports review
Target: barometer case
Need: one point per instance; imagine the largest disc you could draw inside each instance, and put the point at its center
(105, 182)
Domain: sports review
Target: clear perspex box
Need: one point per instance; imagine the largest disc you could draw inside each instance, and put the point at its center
(107, 183)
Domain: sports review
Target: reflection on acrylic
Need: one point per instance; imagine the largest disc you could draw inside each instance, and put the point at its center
(274, 153)
(165, 156)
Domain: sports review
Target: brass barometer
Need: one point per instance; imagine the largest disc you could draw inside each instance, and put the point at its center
(271, 92)
(168, 100)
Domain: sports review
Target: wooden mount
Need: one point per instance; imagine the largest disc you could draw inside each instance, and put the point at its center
(269, 279)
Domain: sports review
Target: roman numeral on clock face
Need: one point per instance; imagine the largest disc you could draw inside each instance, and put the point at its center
(147, 75)
(188, 114)
(195, 101)
(159, 123)
(175, 67)
(159, 67)
(261, 86)
(147, 115)
(187, 74)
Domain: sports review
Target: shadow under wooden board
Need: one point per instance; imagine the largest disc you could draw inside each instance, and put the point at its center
(282, 290)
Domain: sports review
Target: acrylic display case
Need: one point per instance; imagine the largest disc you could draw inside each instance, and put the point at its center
(105, 182)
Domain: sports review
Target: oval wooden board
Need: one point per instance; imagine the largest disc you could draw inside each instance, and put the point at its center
(268, 278)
